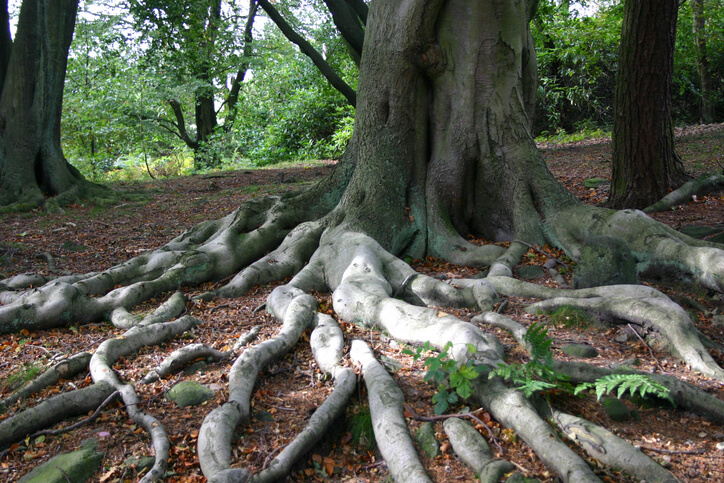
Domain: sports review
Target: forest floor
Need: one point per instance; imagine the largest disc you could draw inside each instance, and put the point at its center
(88, 238)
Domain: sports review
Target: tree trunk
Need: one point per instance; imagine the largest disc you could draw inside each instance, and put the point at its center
(6, 41)
(32, 164)
(645, 164)
(708, 112)
(446, 138)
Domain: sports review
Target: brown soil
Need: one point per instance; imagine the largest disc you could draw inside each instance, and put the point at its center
(86, 238)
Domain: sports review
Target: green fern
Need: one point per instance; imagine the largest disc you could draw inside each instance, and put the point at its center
(537, 374)
(540, 344)
(626, 383)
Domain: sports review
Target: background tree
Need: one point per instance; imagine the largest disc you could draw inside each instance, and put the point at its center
(104, 91)
(290, 110)
(577, 60)
(645, 163)
(32, 165)
(198, 46)
(708, 111)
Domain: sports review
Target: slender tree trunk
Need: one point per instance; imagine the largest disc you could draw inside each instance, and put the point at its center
(6, 41)
(708, 112)
(645, 163)
(32, 164)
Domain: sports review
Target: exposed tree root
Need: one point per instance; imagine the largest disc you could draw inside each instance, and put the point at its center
(193, 352)
(296, 311)
(611, 450)
(659, 314)
(386, 408)
(696, 187)
(264, 241)
(65, 369)
(474, 451)
(52, 411)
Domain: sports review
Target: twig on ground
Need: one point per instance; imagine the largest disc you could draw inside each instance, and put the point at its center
(633, 329)
(671, 451)
(89, 419)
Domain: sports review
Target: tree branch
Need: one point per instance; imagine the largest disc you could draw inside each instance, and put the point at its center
(181, 124)
(334, 79)
(233, 98)
(349, 25)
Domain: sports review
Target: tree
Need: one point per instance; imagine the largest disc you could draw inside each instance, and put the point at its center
(442, 147)
(32, 165)
(645, 163)
(708, 112)
(577, 57)
(198, 43)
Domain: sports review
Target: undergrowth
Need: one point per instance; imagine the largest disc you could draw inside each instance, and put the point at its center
(454, 378)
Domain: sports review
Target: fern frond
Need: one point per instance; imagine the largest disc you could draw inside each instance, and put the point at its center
(623, 383)
(540, 344)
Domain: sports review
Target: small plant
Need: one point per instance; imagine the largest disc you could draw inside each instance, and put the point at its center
(28, 372)
(360, 427)
(626, 383)
(453, 378)
(537, 374)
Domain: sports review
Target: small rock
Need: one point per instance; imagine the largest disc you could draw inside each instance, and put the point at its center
(73, 247)
(391, 364)
(77, 466)
(720, 446)
(594, 182)
(140, 463)
(702, 435)
(425, 438)
(622, 337)
(615, 409)
(519, 478)
(195, 367)
(264, 416)
(633, 361)
(550, 263)
(580, 350)
(530, 272)
(189, 393)
(718, 320)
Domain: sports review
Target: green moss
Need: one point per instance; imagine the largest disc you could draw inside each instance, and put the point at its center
(569, 316)
(28, 372)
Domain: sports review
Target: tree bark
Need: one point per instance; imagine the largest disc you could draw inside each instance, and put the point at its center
(708, 111)
(645, 163)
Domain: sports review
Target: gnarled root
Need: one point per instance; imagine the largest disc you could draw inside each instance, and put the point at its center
(386, 403)
(610, 449)
(472, 448)
(296, 310)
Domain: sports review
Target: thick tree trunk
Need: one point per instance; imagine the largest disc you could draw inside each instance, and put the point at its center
(645, 163)
(446, 138)
(32, 164)
(708, 111)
